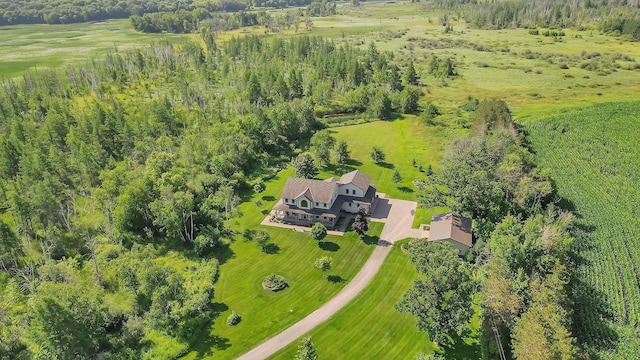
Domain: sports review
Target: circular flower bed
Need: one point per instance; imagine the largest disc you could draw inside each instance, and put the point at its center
(274, 283)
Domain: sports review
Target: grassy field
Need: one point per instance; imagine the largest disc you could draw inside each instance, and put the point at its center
(25, 48)
(265, 313)
(524, 70)
(594, 155)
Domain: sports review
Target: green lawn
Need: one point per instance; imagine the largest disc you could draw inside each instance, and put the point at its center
(25, 48)
(369, 327)
(264, 314)
(401, 140)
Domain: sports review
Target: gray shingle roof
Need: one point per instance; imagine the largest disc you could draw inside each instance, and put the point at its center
(451, 226)
(316, 190)
(357, 178)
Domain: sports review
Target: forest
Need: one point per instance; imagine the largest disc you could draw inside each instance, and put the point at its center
(107, 164)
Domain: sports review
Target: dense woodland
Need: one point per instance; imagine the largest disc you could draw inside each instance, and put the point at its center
(105, 166)
(520, 265)
(13, 12)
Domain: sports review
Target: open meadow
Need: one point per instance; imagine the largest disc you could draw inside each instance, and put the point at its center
(26, 48)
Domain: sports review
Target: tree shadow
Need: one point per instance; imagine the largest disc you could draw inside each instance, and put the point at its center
(268, 198)
(265, 211)
(458, 349)
(223, 254)
(212, 342)
(335, 279)
(329, 246)
(592, 313)
(207, 342)
(405, 189)
(271, 249)
(353, 162)
(384, 243)
(386, 165)
(370, 240)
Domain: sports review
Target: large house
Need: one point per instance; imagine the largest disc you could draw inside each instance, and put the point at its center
(307, 201)
(454, 229)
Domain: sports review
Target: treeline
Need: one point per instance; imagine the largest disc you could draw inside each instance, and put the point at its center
(546, 14)
(191, 21)
(629, 26)
(521, 263)
(120, 179)
(13, 12)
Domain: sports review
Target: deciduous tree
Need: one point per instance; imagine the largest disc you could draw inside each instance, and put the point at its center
(318, 232)
(441, 299)
(324, 264)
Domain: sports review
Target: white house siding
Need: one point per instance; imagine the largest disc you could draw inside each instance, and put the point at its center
(351, 188)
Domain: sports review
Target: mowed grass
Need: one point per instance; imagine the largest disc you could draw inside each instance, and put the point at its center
(369, 327)
(402, 140)
(25, 48)
(264, 313)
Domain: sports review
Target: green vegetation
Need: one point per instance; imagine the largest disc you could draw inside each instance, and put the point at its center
(13, 12)
(593, 154)
(349, 332)
(127, 180)
(274, 282)
(27, 49)
(265, 313)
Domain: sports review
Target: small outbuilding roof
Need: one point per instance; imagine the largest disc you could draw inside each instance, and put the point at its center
(357, 178)
(451, 226)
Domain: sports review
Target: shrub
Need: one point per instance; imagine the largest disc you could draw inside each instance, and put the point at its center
(259, 186)
(234, 319)
(274, 282)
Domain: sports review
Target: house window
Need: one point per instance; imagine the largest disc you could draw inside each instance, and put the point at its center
(349, 205)
(304, 203)
(287, 213)
(324, 218)
(346, 191)
(316, 204)
(317, 217)
(354, 192)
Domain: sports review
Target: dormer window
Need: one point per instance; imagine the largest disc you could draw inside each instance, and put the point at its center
(304, 204)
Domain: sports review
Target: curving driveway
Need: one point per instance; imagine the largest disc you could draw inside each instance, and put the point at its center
(398, 217)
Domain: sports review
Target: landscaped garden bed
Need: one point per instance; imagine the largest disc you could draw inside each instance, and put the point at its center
(274, 283)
